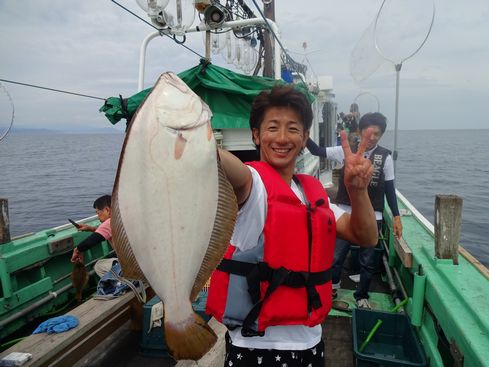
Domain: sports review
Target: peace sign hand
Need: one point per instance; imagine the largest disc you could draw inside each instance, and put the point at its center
(358, 169)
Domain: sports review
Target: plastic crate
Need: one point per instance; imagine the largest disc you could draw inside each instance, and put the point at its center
(355, 263)
(199, 306)
(395, 343)
(153, 344)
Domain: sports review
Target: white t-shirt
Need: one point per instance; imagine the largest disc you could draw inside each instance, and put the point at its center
(336, 154)
(247, 231)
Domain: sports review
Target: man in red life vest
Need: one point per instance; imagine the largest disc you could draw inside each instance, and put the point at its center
(273, 287)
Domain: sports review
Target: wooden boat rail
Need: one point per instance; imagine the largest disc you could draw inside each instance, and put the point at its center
(97, 320)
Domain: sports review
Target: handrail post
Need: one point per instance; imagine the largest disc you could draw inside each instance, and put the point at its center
(4, 222)
(448, 220)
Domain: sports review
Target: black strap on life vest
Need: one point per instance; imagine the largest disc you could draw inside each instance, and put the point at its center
(312, 295)
(259, 272)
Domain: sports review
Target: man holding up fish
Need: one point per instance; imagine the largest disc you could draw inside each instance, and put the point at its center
(273, 287)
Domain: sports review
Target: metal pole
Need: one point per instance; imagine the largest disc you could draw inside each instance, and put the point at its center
(208, 45)
(142, 58)
(394, 154)
(268, 69)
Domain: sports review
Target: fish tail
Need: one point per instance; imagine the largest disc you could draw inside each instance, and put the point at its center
(190, 338)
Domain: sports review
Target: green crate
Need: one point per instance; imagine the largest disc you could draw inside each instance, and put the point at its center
(199, 306)
(153, 344)
(395, 343)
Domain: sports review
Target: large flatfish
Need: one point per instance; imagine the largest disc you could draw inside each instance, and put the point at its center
(173, 208)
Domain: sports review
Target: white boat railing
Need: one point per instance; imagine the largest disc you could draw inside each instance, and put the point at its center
(231, 24)
(69, 225)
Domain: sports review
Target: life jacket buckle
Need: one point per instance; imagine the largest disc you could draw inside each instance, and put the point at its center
(247, 332)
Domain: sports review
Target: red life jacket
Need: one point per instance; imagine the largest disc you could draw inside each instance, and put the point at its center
(286, 279)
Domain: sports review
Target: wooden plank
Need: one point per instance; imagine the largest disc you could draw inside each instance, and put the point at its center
(4, 222)
(404, 252)
(471, 259)
(94, 316)
(215, 356)
(448, 219)
(80, 347)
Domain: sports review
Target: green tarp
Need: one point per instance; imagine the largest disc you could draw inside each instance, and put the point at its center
(228, 94)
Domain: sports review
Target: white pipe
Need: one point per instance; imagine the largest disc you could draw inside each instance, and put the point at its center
(142, 58)
(231, 24)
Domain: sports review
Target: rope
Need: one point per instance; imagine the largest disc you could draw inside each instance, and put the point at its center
(140, 295)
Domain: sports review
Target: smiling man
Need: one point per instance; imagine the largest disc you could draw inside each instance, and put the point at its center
(273, 288)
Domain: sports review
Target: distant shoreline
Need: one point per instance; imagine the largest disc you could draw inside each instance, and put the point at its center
(108, 130)
(22, 131)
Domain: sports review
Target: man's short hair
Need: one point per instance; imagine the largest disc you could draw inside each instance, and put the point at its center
(102, 202)
(373, 119)
(281, 96)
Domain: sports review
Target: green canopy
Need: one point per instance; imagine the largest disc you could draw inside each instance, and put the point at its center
(228, 94)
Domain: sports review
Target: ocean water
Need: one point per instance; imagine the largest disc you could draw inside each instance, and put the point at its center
(48, 178)
(432, 162)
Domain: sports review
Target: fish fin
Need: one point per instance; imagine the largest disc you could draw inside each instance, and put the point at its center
(210, 133)
(120, 242)
(180, 144)
(227, 209)
(190, 338)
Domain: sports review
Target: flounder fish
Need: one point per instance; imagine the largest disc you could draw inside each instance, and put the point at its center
(173, 209)
(79, 279)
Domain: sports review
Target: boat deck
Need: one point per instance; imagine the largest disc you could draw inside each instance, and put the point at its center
(123, 348)
(108, 335)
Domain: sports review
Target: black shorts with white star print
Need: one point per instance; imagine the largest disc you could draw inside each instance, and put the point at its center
(246, 357)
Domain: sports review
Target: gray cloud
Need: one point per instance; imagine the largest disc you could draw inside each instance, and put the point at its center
(92, 47)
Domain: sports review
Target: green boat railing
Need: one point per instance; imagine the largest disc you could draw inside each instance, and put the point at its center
(35, 274)
(453, 324)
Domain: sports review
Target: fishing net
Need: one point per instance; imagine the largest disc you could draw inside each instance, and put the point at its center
(364, 59)
(6, 112)
(398, 31)
(402, 28)
(367, 102)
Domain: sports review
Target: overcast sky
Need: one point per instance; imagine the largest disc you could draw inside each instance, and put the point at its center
(92, 47)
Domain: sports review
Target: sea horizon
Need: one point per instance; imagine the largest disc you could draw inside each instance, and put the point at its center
(50, 177)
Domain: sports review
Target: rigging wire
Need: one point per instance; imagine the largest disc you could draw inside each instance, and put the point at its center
(51, 89)
(162, 33)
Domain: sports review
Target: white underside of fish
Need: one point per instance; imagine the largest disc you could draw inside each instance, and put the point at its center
(167, 207)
